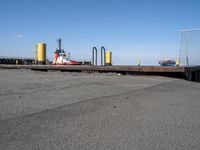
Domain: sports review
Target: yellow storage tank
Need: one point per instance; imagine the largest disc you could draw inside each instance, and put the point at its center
(41, 53)
(108, 58)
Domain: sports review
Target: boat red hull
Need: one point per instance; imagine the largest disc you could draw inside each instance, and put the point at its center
(69, 63)
(72, 63)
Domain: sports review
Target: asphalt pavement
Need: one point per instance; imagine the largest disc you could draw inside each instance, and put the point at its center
(61, 111)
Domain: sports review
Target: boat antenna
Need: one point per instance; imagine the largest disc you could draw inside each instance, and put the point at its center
(59, 45)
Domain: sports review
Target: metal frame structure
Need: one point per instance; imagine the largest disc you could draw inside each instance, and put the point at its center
(181, 42)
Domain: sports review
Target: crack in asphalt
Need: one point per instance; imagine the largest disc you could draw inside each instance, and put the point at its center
(87, 100)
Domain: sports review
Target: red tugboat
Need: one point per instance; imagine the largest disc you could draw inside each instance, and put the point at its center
(61, 57)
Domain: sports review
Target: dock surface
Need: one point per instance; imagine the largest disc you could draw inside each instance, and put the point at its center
(191, 73)
(97, 68)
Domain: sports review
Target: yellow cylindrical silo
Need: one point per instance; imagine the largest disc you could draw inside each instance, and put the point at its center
(41, 53)
(108, 58)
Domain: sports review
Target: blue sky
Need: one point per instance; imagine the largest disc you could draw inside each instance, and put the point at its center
(131, 29)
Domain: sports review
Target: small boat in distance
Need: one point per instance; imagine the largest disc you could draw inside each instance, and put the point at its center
(167, 62)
